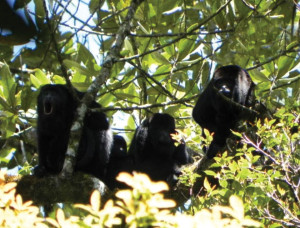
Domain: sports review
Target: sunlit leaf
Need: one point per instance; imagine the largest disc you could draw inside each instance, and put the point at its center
(206, 184)
(257, 76)
(60, 216)
(237, 206)
(237, 134)
(8, 86)
(250, 222)
(124, 195)
(78, 67)
(126, 178)
(95, 200)
(9, 186)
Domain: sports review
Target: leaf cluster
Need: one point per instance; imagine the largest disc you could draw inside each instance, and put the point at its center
(142, 206)
(263, 170)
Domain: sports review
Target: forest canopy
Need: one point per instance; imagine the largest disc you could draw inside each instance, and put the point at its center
(140, 57)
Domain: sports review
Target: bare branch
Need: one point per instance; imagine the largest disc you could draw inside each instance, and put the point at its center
(257, 147)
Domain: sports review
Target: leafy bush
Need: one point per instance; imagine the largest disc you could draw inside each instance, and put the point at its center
(263, 170)
(13, 211)
(142, 206)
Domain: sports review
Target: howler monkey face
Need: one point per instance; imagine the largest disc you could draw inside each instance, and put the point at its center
(162, 142)
(55, 107)
(52, 103)
(48, 107)
(233, 82)
(224, 80)
(161, 127)
(49, 103)
(224, 87)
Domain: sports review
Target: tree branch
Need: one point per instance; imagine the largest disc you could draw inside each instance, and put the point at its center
(294, 48)
(148, 106)
(53, 189)
(110, 60)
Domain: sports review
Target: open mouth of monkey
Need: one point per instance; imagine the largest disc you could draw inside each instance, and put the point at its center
(48, 108)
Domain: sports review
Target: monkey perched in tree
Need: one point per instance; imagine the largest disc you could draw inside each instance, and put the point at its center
(216, 114)
(56, 108)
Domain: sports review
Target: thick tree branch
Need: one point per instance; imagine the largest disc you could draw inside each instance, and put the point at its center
(53, 189)
(110, 60)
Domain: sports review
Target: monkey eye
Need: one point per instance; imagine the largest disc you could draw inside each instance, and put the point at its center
(225, 91)
(48, 108)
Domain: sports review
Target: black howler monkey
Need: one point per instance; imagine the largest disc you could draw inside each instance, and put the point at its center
(56, 108)
(216, 114)
(154, 150)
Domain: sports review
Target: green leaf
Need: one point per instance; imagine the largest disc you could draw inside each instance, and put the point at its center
(270, 67)
(78, 67)
(39, 13)
(27, 97)
(86, 57)
(42, 77)
(94, 5)
(151, 12)
(237, 134)
(185, 46)
(163, 69)
(207, 185)
(160, 58)
(223, 183)
(143, 29)
(35, 81)
(58, 79)
(221, 20)
(275, 225)
(257, 76)
(244, 174)
(128, 46)
(4, 104)
(9, 125)
(39, 78)
(284, 64)
(5, 154)
(8, 86)
(210, 172)
(281, 191)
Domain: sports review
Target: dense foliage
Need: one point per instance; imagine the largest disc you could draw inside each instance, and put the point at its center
(143, 206)
(165, 61)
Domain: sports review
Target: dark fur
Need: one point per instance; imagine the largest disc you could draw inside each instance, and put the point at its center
(154, 150)
(119, 161)
(56, 109)
(217, 115)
